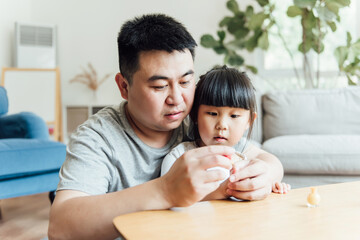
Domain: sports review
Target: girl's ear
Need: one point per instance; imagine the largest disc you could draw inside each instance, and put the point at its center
(254, 117)
(252, 122)
(123, 85)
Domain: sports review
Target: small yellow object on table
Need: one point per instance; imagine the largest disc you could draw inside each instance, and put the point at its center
(313, 198)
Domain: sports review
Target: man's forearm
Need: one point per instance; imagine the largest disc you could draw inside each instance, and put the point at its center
(90, 217)
(276, 169)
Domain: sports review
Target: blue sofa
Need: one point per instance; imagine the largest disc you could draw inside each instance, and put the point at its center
(29, 160)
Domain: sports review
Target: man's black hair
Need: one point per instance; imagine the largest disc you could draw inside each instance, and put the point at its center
(224, 87)
(150, 32)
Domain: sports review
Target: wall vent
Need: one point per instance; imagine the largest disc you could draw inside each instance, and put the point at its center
(35, 46)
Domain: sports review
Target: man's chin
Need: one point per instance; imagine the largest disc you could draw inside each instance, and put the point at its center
(170, 126)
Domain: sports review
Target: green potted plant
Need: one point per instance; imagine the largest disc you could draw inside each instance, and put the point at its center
(248, 30)
(348, 58)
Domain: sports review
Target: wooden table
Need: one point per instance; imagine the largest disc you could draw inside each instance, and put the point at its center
(277, 217)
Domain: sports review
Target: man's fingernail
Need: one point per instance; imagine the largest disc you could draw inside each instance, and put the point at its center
(232, 178)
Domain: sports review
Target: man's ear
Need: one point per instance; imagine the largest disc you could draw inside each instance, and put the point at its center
(123, 85)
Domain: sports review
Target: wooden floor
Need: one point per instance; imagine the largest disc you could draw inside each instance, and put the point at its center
(25, 217)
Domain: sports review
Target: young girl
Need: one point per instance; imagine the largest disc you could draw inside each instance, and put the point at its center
(224, 109)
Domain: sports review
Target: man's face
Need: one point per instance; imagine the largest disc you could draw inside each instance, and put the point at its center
(162, 90)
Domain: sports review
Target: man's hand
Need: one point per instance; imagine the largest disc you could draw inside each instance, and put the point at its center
(188, 180)
(250, 180)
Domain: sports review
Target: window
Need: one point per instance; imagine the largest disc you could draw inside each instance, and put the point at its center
(276, 66)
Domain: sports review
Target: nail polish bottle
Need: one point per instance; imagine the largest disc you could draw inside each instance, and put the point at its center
(313, 198)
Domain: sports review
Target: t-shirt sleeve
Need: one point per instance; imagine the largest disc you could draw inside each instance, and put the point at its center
(87, 164)
(168, 161)
(171, 157)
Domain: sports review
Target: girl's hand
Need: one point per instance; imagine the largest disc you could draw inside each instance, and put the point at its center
(281, 187)
(221, 191)
(250, 180)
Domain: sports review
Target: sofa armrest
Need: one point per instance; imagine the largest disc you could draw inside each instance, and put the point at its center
(23, 125)
(4, 102)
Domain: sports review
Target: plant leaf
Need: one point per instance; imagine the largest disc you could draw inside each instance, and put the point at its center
(235, 59)
(257, 20)
(333, 6)
(233, 6)
(271, 23)
(252, 42)
(235, 24)
(208, 41)
(221, 35)
(236, 44)
(294, 11)
(341, 54)
(304, 47)
(332, 25)
(309, 20)
(305, 3)
(355, 48)
(348, 39)
(341, 3)
(252, 69)
(263, 2)
(350, 81)
(325, 14)
(263, 41)
(316, 48)
(225, 21)
(249, 11)
(220, 50)
(241, 33)
(226, 58)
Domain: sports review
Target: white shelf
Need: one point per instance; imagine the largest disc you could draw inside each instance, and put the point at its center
(74, 115)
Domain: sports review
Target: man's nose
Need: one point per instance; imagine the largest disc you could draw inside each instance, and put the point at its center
(175, 96)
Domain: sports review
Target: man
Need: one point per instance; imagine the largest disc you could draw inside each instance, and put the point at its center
(113, 160)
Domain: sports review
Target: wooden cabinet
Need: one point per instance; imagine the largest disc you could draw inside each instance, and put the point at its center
(76, 115)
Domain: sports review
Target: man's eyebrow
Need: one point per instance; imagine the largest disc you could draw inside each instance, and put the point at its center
(157, 77)
(188, 73)
(160, 77)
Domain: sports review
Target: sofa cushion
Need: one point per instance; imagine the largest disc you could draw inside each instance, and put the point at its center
(317, 154)
(4, 104)
(23, 125)
(316, 111)
(32, 184)
(29, 156)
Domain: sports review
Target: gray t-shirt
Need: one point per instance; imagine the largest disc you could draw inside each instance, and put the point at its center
(105, 155)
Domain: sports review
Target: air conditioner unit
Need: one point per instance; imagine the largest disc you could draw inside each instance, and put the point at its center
(35, 46)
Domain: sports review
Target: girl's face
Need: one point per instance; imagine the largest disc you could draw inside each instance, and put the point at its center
(222, 125)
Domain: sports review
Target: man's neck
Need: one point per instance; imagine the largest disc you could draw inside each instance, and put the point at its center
(152, 138)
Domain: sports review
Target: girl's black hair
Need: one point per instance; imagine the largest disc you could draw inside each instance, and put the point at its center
(224, 87)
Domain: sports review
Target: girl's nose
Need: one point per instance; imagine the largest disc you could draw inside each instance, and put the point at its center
(221, 125)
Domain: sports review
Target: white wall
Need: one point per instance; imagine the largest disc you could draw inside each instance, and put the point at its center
(10, 11)
(87, 31)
